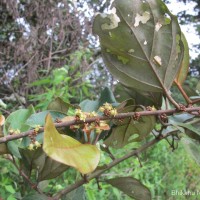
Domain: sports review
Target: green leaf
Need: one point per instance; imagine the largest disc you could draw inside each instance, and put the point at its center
(106, 96)
(141, 47)
(45, 166)
(132, 187)
(193, 148)
(64, 149)
(141, 98)
(130, 130)
(51, 169)
(10, 189)
(190, 130)
(39, 118)
(181, 118)
(89, 105)
(61, 106)
(13, 147)
(183, 71)
(35, 196)
(16, 120)
(78, 194)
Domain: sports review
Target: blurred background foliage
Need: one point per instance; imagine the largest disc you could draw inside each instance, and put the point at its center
(47, 50)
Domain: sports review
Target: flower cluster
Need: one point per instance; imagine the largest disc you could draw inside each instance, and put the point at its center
(34, 143)
(108, 110)
(80, 115)
(12, 131)
(97, 126)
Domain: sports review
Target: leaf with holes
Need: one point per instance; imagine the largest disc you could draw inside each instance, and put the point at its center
(66, 150)
(141, 44)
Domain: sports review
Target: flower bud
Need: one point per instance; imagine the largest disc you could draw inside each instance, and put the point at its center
(113, 112)
(37, 144)
(31, 146)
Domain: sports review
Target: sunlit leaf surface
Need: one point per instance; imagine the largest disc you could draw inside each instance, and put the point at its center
(64, 149)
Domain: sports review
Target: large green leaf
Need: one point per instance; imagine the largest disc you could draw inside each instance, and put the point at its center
(60, 105)
(35, 196)
(106, 96)
(191, 130)
(141, 43)
(193, 148)
(132, 187)
(141, 98)
(78, 194)
(16, 121)
(39, 118)
(65, 149)
(130, 130)
(46, 167)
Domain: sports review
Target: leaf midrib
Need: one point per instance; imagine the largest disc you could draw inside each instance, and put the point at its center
(158, 78)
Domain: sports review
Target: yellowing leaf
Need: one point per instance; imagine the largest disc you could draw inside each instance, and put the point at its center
(64, 149)
(183, 71)
(2, 120)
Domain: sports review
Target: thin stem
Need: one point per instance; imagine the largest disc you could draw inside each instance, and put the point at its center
(169, 97)
(188, 100)
(196, 101)
(93, 119)
(109, 166)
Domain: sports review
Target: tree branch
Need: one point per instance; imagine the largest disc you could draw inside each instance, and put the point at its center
(97, 173)
(93, 119)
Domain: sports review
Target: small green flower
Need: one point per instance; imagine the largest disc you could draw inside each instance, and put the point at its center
(37, 128)
(17, 131)
(37, 144)
(31, 147)
(93, 114)
(101, 109)
(113, 112)
(107, 106)
(80, 114)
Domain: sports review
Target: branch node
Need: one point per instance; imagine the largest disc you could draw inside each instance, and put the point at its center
(85, 178)
(182, 107)
(163, 118)
(149, 108)
(136, 116)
